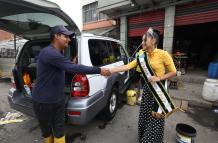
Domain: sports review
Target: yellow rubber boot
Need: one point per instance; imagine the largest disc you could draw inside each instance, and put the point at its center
(59, 140)
(49, 139)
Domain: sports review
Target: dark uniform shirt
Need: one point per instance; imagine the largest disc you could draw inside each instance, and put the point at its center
(49, 87)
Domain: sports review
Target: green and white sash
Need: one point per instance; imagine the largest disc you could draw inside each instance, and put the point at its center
(163, 103)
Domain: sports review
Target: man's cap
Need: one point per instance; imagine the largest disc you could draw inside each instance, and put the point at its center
(60, 29)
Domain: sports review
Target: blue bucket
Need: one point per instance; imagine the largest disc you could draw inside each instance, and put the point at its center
(213, 70)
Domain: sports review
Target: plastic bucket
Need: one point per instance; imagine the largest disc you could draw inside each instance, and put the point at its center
(213, 70)
(185, 133)
(210, 90)
(131, 97)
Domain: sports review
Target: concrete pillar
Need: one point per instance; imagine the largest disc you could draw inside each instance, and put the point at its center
(123, 31)
(169, 29)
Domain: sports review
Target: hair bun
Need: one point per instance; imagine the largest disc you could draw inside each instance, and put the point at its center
(157, 32)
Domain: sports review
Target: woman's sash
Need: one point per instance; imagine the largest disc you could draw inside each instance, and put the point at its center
(161, 96)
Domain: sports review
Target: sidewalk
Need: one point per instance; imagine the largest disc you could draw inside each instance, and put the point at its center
(192, 91)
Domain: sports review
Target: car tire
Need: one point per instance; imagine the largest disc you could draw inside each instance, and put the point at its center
(110, 110)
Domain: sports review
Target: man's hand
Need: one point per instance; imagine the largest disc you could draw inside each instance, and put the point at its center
(153, 79)
(105, 72)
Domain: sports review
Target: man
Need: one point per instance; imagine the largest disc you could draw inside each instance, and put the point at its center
(48, 93)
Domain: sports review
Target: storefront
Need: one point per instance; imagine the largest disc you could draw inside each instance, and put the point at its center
(195, 33)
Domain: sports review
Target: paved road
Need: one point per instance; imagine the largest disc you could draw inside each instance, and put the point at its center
(123, 129)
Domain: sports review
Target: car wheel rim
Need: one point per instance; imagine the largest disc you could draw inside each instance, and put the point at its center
(113, 101)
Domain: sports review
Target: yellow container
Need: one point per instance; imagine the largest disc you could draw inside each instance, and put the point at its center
(131, 97)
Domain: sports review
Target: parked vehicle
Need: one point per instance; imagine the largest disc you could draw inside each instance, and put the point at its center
(86, 95)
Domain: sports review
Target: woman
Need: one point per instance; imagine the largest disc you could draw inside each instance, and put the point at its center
(151, 126)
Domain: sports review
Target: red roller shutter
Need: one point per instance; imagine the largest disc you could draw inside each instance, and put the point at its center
(197, 12)
(138, 24)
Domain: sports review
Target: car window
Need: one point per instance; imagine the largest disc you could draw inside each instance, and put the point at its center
(116, 51)
(99, 52)
(104, 52)
(30, 54)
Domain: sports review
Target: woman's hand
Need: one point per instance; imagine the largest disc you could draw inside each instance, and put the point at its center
(119, 69)
(154, 79)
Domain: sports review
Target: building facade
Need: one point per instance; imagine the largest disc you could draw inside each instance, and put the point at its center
(186, 26)
(97, 22)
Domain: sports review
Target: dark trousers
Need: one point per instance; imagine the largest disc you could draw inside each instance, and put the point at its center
(51, 118)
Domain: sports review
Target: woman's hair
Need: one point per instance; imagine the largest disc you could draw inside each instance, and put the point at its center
(153, 33)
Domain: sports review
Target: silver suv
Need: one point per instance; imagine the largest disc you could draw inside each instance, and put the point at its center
(86, 95)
